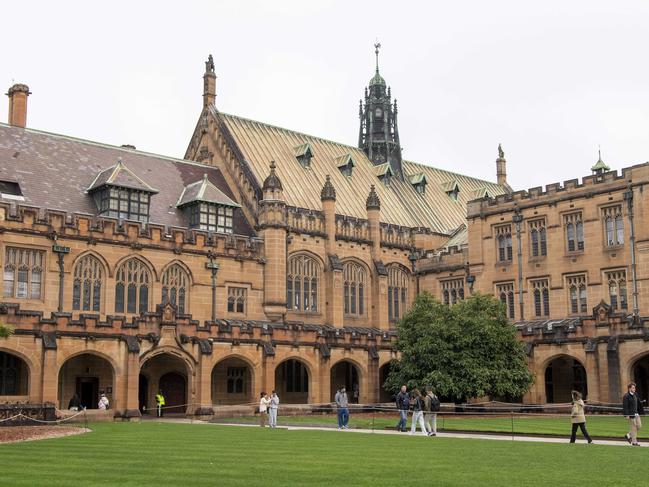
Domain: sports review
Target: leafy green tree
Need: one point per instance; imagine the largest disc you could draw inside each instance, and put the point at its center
(463, 351)
(5, 330)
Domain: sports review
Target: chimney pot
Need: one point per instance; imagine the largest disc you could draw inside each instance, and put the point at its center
(18, 94)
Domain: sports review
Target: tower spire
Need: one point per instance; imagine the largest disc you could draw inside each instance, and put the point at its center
(377, 46)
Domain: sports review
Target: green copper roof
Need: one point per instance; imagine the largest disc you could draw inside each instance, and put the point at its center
(377, 80)
(600, 166)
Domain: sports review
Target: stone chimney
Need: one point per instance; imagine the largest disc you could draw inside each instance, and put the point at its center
(18, 94)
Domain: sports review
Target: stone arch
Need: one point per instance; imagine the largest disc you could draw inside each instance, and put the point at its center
(184, 266)
(87, 373)
(304, 282)
(349, 373)
(96, 255)
(90, 273)
(15, 373)
(384, 370)
(176, 286)
(233, 381)
(144, 260)
(563, 373)
(293, 380)
(170, 371)
(638, 372)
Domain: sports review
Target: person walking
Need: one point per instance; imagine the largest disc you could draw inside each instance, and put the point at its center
(578, 417)
(342, 405)
(264, 402)
(160, 403)
(631, 409)
(431, 407)
(103, 402)
(403, 404)
(417, 413)
(274, 406)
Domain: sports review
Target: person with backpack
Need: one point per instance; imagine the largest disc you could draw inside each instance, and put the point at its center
(417, 413)
(431, 406)
(403, 404)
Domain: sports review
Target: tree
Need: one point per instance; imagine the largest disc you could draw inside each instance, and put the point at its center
(463, 351)
(5, 330)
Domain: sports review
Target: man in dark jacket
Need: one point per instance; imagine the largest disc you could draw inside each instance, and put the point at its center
(631, 408)
(403, 404)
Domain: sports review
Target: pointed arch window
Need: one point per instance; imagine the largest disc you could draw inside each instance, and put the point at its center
(355, 286)
(175, 288)
(541, 298)
(302, 283)
(504, 242)
(505, 293)
(578, 294)
(397, 292)
(617, 290)
(87, 284)
(538, 238)
(132, 286)
(613, 225)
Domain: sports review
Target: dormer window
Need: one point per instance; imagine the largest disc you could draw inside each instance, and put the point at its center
(304, 153)
(452, 189)
(10, 190)
(384, 173)
(119, 193)
(207, 207)
(418, 182)
(346, 164)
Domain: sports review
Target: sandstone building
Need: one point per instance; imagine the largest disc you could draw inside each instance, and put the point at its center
(271, 259)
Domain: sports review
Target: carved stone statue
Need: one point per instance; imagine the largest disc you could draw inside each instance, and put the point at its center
(501, 154)
(209, 64)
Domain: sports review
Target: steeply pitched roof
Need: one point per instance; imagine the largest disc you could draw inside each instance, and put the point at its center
(401, 204)
(205, 192)
(122, 176)
(54, 171)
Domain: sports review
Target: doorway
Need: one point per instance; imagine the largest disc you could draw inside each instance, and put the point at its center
(88, 391)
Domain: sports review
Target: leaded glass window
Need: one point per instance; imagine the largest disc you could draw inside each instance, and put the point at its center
(133, 281)
(23, 273)
(175, 288)
(87, 284)
(302, 282)
(354, 285)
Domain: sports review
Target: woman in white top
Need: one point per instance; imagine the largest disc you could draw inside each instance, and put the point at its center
(263, 409)
(103, 402)
(272, 413)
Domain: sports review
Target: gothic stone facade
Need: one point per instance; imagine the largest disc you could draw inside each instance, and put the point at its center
(224, 274)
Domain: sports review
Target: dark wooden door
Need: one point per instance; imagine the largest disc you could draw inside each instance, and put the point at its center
(88, 390)
(174, 389)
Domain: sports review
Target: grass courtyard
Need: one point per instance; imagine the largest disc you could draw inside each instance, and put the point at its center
(598, 425)
(151, 453)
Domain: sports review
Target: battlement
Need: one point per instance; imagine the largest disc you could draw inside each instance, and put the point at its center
(572, 188)
(94, 229)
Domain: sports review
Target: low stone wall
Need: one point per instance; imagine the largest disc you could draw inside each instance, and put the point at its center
(13, 414)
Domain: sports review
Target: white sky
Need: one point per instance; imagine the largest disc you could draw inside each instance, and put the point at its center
(550, 80)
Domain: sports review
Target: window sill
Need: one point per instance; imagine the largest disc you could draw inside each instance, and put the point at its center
(504, 263)
(613, 248)
(534, 260)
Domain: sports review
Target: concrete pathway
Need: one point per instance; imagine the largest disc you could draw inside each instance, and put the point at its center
(445, 434)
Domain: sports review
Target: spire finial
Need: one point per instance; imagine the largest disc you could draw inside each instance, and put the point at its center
(599, 152)
(377, 46)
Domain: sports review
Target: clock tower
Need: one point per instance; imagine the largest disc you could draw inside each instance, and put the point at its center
(378, 135)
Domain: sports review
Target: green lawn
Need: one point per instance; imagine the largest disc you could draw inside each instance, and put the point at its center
(598, 426)
(164, 454)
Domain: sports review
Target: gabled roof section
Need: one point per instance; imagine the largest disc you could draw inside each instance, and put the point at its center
(450, 186)
(401, 204)
(344, 160)
(122, 176)
(383, 170)
(419, 178)
(458, 238)
(54, 171)
(481, 193)
(204, 191)
(303, 149)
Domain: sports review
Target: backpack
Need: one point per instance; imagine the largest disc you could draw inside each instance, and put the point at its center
(435, 404)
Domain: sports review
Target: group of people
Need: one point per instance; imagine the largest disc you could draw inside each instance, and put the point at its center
(632, 409)
(268, 407)
(75, 402)
(425, 408)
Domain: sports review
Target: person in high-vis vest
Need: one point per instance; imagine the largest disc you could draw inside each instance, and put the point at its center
(160, 402)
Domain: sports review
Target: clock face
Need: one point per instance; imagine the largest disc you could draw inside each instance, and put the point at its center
(378, 113)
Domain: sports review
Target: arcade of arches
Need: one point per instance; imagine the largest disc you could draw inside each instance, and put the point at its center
(232, 382)
(167, 373)
(562, 376)
(346, 374)
(88, 376)
(14, 375)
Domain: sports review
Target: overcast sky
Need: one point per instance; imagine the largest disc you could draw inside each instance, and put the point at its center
(550, 80)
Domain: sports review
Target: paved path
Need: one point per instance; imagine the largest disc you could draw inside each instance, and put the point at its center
(446, 434)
